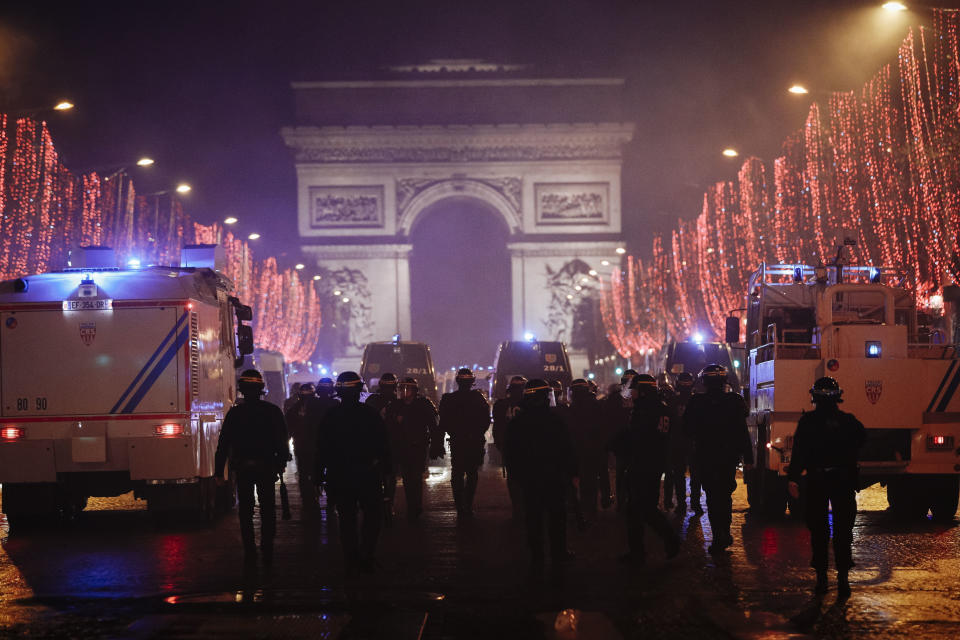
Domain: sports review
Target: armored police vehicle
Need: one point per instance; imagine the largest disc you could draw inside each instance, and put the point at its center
(403, 359)
(899, 377)
(116, 379)
(530, 359)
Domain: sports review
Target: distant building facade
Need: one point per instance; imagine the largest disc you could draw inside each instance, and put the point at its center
(373, 155)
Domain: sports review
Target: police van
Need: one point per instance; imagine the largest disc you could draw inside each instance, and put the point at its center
(116, 380)
(404, 359)
(530, 359)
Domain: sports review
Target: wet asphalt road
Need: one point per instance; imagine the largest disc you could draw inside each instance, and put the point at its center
(114, 573)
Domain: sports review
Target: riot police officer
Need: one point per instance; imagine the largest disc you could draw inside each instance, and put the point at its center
(411, 423)
(716, 420)
(617, 416)
(303, 421)
(590, 443)
(641, 450)
(539, 455)
(386, 393)
(825, 447)
(254, 439)
(504, 410)
(681, 446)
(465, 416)
(326, 399)
(354, 451)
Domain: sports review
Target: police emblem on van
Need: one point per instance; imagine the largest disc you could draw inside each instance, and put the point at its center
(551, 358)
(874, 388)
(88, 331)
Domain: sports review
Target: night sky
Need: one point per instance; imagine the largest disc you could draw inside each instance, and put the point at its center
(203, 87)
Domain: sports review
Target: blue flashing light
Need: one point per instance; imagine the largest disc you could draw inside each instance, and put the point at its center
(591, 376)
(698, 338)
(618, 371)
(874, 275)
(529, 337)
(873, 349)
(133, 263)
(736, 364)
(396, 338)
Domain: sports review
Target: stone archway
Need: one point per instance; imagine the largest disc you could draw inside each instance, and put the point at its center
(421, 194)
(460, 279)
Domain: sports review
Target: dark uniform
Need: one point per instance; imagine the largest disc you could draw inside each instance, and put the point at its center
(539, 455)
(682, 449)
(504, 410)
(616, 416)
(825, 447)
(716, 421)
(303, 420)
(386, 394)
(641, 451)
(354, 451)
(590, 444)
(465, 416)
(411, 424)
(254, 439)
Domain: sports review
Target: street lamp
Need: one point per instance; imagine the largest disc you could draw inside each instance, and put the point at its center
(317, 277)
(253, 236)
(145, 162)
(183, 187)
(230, 220)
(798, 89)
(620, 251)
(730, 153)
(894, 6)
(63, 105)
(299, 266)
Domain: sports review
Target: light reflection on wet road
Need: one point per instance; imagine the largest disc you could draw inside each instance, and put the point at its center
(115, 574)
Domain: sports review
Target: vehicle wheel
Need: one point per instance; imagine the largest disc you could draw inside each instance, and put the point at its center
(944, 498)
(907, 500)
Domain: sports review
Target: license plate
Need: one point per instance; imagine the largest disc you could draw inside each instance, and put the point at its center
(101, 304)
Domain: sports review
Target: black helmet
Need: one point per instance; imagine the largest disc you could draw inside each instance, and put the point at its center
(325, 387)
(685, 379)
(250, 383)
(714, 376)
(517, 381)
(580, 387)
(627, 376)
(594, 388)
(388, 380)
(465, 377)
(536, 386)
(826, 389)
(307, 389)
(349, 382)
(643, 380)
(409, 382)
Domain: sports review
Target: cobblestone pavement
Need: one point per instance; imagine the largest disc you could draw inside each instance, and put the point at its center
(115, 573)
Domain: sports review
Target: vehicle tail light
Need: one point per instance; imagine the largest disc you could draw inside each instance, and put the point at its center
(169, 430)
(12, 434)
(939, 442)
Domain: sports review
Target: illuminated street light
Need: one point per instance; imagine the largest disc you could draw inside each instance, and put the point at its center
(300, 266)
(63, 105)
(183, 187)
(345, 299)
(337, 292)
(621, 251)
(894, 6)
(317, 277)
(253, 236)
(798, 89)
(144, 162)
(730, 153)
(230, 220)
(605, 263)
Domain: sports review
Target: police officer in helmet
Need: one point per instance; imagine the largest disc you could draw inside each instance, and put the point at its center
(254, 439)
(303, 421)
(590, 442)
(504, 410)
(354, 450)
(683, 454)
(465, 416)
(411, 423)
(641, 450)
(539, 455)
(825, 447)
(717, 422)
(386, 393)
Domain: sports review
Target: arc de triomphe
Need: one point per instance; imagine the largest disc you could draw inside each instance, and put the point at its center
(373, 155)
